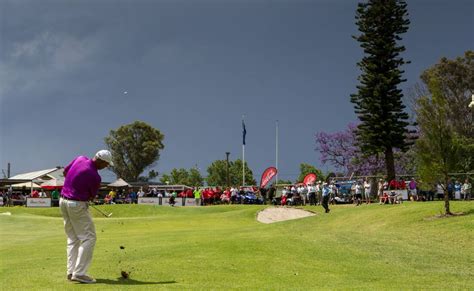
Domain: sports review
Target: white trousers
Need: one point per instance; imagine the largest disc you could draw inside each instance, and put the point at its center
(81, 237)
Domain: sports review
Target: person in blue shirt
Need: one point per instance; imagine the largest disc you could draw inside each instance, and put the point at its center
(325, 193)
(457, 189)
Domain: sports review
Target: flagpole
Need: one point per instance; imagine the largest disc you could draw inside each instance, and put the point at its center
(243, 152)
(243, 165)
(276, 152)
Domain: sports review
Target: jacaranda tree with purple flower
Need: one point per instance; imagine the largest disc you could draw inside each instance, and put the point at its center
(339, 149)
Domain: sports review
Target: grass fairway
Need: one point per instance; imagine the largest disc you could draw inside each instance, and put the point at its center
(223, 247)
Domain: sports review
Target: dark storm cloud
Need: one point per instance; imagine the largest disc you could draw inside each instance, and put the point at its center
(191, 69)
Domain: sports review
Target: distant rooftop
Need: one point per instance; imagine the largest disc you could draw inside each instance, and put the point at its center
(34, 175)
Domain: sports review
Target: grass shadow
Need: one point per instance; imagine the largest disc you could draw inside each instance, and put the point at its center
(454, 214)
(469, 212)
(121, 281)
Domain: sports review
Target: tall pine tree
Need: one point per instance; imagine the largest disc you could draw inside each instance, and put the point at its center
(378, 102)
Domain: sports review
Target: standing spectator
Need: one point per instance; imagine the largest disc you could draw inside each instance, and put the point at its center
(393, 185)
(457, 190)
(197, 196)
(42, 194)
(34, 194)
(325, 195)
(133, 196)
(358, 193)
(431, 192)
(450, 188)
(380, 189)
(412, 190)
(112, 195)
(189, 193)
(9, 196)
(312, 194)
(317, 190)
(55, 194)
(367, 189)
(263, 193)
(467, 188)
(401, 185)
(80, 186)
(440, 190)
(332, 193)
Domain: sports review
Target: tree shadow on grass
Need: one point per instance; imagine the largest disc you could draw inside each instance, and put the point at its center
(469, 212)
(121, 281)
(454, 214)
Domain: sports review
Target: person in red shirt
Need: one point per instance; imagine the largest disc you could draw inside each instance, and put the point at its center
(401, 184)
(227, 193)
(189, 193)
(34, 194)
(393, 185)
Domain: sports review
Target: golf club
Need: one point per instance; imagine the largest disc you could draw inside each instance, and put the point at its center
(100, 211)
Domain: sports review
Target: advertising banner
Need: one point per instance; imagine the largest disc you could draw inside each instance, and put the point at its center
(190, 202)
(38, 202)
(267, 176)
(149, 200)
(310, 179)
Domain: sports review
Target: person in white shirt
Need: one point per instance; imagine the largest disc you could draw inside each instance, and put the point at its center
(367, 189)
(332, 193)
(380, 190)
(358, 193)
(141, 193)
(466, 190)
(440, 190)
(42, 194)
(319, 190)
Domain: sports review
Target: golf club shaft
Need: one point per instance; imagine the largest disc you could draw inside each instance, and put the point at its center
(100, 211)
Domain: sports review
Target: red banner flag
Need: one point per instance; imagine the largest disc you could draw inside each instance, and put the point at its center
(310, 179)
(267, 175)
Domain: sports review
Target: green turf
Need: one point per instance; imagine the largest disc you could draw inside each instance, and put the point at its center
(223, 247)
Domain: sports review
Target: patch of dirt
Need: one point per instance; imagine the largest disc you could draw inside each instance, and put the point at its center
(125, 274)
(276, 214)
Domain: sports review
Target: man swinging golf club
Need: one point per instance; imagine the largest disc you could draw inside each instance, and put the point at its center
(80, 186)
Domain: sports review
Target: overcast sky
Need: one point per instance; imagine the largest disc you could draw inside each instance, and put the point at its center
(192, 69)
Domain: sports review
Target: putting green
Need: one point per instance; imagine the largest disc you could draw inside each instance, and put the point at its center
(221, 247)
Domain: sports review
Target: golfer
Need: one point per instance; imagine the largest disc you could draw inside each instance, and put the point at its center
(80, 186)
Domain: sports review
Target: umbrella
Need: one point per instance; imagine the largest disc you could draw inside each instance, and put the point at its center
(53, 184)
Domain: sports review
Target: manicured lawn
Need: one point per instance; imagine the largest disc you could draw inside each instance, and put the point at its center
(223, 247)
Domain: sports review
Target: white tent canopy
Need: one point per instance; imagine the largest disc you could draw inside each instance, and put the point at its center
(119, 183)
(27, 185)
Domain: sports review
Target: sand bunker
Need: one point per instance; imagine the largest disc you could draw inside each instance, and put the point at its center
(276, 214)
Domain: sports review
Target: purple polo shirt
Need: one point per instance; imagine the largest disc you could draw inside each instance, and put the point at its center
(82, 180)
